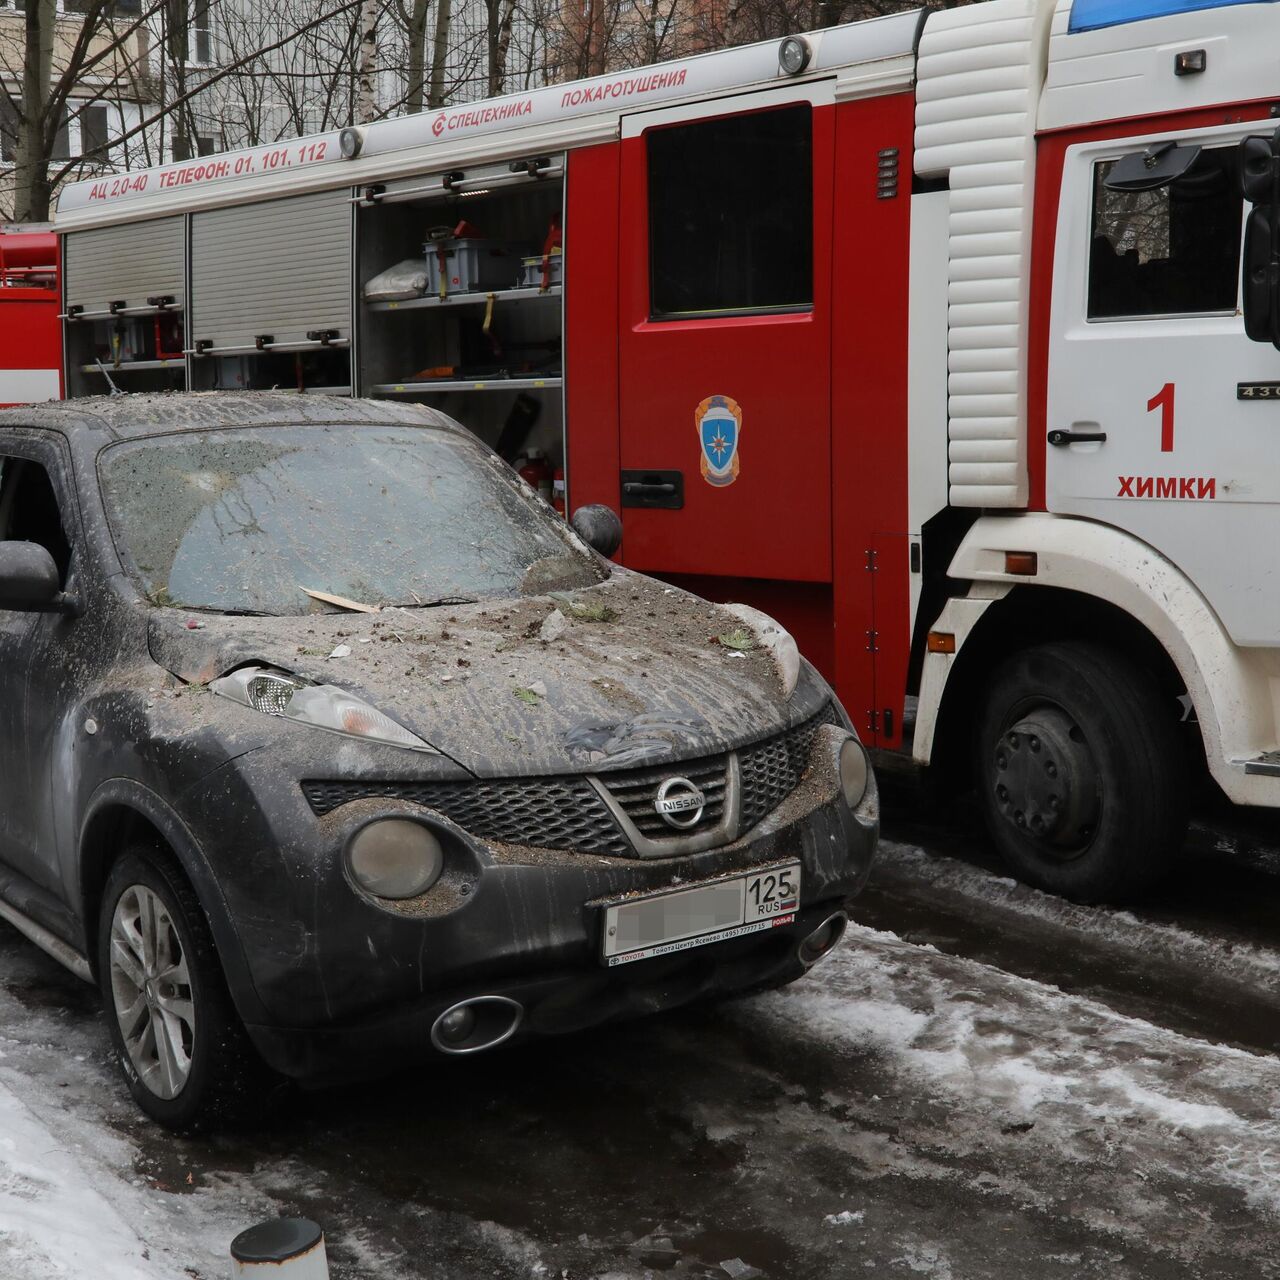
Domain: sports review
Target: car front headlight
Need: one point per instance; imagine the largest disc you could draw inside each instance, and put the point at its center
(276, 693)
(774, 637)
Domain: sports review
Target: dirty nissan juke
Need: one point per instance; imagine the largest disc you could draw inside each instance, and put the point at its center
(326, 743)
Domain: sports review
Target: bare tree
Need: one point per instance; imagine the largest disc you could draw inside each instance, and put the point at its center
(102, 58)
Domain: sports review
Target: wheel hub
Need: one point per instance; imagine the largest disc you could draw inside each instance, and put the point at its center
(1046, 781)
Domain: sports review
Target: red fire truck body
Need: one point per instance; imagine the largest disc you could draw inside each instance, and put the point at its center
(922, 334)
(30, 341)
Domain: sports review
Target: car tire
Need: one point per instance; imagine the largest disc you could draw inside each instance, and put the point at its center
(1082, 773)
(180, 1044)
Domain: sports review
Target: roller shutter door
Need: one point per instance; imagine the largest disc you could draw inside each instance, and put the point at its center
(129, 264)
(280, 268)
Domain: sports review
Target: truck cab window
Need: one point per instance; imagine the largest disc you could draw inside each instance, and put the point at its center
(731, 215)
(29, 510)
(1173, 250)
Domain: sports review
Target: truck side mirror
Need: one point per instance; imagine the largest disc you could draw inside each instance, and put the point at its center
(1157, 166)
(599, 527)
(1259, 165)
(1255, 158)
(1258, 291)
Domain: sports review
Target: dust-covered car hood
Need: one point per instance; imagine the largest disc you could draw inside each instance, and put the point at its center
(624, 673)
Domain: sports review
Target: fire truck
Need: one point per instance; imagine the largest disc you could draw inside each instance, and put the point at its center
(946, 338)
(30, 344)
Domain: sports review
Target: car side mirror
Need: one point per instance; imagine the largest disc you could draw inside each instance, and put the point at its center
(599, 527)
(1259, 166)
(29, 581)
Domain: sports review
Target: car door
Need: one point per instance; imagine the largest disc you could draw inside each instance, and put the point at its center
(1150, 427)
(36, 678)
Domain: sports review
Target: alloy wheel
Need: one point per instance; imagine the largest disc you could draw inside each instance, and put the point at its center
(151, 990)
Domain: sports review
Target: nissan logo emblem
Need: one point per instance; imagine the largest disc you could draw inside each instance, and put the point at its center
(680, 803)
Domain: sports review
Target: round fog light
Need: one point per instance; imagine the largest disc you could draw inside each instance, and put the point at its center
(395, 858)
(853, 772)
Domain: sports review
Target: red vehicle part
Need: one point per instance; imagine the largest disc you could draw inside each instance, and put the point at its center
(30, 343)
(822, 393)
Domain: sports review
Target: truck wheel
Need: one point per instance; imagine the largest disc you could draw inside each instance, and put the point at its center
(183, 1051)
(1081, 771)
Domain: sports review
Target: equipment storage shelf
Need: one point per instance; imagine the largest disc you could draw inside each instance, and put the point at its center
(531, 294)
(459, 281)
(491, 384)
(134, 366)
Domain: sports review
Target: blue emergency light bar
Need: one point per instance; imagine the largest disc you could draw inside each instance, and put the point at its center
(1089, 15)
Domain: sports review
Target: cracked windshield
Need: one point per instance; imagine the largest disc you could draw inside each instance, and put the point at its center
(259, 521)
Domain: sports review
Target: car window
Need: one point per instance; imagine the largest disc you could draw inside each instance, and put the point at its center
(1173, 250)
(245, 519)
(29, 509)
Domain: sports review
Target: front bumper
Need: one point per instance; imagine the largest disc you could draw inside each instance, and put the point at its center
(564, 1000)
(340, 982)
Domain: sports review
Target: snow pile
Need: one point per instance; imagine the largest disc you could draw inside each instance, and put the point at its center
(54, 1221)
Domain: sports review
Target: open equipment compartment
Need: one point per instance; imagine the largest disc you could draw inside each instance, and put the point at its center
(124, 307)
(479, 333)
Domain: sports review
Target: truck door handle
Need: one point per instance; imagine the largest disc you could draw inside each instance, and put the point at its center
(663, 489)
(642, 490)
(1060, 438)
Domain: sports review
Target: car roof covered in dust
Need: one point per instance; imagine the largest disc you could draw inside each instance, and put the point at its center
(134, 416)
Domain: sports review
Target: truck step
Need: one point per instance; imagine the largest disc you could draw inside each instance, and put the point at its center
(1267, 763)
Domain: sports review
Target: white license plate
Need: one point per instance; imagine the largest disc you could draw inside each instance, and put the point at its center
(685, 918)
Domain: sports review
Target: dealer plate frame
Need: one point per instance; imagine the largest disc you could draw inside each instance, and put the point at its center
(767, 911)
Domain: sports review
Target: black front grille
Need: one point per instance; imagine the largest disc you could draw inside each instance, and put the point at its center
(771, 770)
(551, 813)
(568, 813)
(635, 790)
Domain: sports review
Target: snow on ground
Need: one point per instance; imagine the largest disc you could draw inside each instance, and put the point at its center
(73, 1200)
(1066, 1106)
(53, 1220)
(900, 1112)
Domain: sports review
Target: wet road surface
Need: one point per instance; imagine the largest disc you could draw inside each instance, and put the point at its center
(985, 1081)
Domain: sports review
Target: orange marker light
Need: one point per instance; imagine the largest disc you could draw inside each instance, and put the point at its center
(1022, 563)
(942, 642)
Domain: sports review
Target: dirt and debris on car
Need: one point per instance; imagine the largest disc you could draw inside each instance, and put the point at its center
(329, 745)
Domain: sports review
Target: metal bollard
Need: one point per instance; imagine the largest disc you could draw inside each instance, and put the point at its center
(282, 1248)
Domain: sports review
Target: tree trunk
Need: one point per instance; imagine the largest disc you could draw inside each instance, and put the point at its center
(417, 56)
(440, 52)
(38, 125)
(504, 42)
(366, 76)
(492, 21)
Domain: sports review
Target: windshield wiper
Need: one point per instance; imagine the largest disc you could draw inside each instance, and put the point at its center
(229, 612)
(432, 604)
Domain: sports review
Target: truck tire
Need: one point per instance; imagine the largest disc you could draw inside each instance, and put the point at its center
(1082, 775)
(180, 1044)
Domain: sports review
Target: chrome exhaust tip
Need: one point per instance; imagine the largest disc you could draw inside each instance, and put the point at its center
(483, 1022)
(823, 940)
